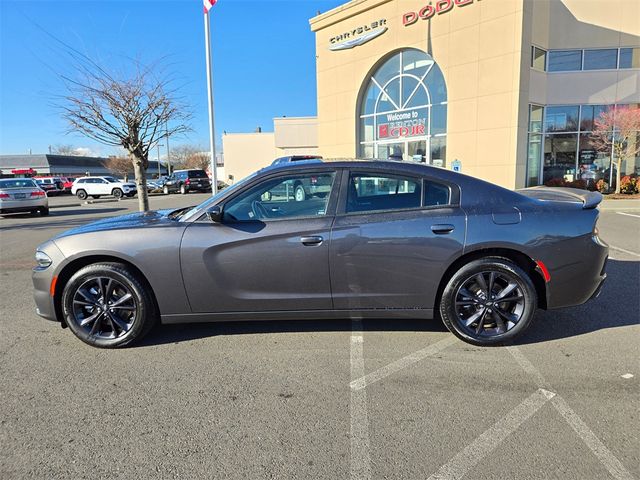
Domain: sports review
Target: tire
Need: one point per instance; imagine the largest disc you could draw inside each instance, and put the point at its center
(471, 316)
(44, 211)
(81, 194)
(299, 194)
(117, 193)
(111, 328)
(183, 189)
(165, 190)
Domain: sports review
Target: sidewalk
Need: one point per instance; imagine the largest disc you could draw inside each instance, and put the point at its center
(611, 204)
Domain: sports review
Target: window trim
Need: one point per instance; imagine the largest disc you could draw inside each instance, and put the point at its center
(341, 211)
(331, 203)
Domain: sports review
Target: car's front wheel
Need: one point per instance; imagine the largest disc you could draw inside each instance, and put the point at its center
(488, 301)
(183, 189)
(117, 193)
(107, 305)
(299, 193)
(165, 190)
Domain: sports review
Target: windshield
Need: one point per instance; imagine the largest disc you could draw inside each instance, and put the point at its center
(213, 200)
(17, 183)
(197, 174)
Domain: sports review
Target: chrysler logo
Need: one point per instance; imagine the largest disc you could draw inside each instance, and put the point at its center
(358, 36)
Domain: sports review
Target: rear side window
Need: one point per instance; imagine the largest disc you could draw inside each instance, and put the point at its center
(370, 192)
(436, 194)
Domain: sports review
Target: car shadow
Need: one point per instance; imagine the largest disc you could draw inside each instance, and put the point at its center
(50, 221)
(617, 306)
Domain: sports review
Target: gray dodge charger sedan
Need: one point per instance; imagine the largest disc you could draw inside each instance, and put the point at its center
(387, 240)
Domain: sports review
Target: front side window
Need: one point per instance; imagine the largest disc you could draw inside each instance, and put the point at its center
(371, 192)
(286, 197)
(111, 180)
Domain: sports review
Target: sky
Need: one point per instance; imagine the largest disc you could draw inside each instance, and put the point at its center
(263, 62)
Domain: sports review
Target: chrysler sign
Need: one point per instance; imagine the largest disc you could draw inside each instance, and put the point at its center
(439, 7)
(358, 35)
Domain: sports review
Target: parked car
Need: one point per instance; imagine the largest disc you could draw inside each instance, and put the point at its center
(96, 187)
(67, 183)
(22, 195)
(51, 185)
(391, 240)
(185, 181)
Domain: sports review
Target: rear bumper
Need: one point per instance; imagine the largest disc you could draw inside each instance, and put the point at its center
(16, 206)
(579, 272)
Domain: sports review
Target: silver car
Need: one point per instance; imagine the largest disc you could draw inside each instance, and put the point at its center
(22, 195)
(389, 240)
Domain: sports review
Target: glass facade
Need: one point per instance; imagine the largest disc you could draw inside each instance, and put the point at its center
(403, 110)
(560, 152)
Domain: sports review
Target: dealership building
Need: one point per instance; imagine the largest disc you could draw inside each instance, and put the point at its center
(504, 90)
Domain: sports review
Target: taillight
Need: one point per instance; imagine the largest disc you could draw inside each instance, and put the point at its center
(187, 181)
(4, 195)
(314, 180)
(39, 193)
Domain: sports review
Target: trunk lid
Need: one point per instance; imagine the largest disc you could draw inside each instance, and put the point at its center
(560, 194)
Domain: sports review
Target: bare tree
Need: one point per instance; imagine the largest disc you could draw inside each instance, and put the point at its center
(190, 156)
(64, 150)
(617, 133)
(134, 111)
(121, 166)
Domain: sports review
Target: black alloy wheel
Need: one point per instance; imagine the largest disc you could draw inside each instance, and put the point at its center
(117, 193)
(107, 305)
(488, 301)
(81, 194)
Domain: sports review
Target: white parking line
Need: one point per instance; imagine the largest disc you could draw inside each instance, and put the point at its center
(610, 462)
(628, 252)
(404, 362)
(360, 459)
(473, 453)
(608, 459)
(628, 214)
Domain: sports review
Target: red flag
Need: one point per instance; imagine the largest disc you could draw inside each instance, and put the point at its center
(208, 4)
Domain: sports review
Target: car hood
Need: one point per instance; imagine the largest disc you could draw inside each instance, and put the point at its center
(154, 218)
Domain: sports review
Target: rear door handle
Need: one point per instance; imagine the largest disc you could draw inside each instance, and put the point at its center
(313, 240)
(442, 228)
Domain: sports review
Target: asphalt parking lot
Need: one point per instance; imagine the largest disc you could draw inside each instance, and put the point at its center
(332, 399)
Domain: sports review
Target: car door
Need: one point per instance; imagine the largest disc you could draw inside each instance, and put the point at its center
(391, 240)
(269, 252)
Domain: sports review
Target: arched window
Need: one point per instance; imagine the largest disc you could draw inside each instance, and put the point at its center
(403, 110)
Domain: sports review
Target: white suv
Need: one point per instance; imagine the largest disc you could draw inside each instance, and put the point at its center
(98, 186)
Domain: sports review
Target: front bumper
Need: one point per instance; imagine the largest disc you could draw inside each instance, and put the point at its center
(42, 281)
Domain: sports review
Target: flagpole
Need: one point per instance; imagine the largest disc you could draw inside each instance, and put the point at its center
(212, 138)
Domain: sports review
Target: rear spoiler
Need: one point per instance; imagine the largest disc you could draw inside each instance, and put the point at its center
(561, 194)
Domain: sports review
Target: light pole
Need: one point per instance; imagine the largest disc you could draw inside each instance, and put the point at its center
(158, 159)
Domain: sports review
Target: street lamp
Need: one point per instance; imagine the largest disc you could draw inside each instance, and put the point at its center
(158, 158)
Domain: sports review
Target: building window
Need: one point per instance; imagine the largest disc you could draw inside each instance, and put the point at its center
(601, 59)
(538, 58)
(559, 149)
(565, 60)
(403, 110)
(629, 58)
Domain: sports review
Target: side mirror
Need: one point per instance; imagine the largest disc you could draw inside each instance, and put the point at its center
(215, 214)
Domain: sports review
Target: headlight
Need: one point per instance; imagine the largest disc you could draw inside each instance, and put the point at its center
(43, 260)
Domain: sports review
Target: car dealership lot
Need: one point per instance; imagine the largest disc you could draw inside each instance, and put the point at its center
(329, 399)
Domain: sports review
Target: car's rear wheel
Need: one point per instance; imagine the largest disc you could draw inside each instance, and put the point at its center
(117, 193)
(165, 190)
(81, 194)
(299, 194)
(106, 305)
(489, 301)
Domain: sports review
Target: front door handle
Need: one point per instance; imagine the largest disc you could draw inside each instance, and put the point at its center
(442, 228)
(308, 241)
